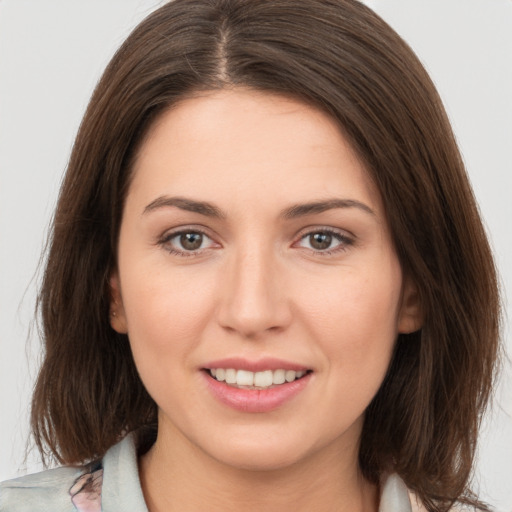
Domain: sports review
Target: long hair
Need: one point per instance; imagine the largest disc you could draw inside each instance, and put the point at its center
(340, 57)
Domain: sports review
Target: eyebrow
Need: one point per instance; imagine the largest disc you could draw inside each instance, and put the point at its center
(295, 211)
(201, 207)
(301, 210)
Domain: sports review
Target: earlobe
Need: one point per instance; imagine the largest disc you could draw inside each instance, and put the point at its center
(117, 315)
(411, 312)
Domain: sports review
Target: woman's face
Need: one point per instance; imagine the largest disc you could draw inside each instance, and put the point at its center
(254, 247)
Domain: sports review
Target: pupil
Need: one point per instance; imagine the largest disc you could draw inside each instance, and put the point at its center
(320, 240)
(191, 241)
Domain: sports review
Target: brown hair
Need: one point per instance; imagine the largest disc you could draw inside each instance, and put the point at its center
(341, 57)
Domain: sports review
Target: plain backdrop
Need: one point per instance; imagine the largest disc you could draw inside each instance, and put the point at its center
(52, 53)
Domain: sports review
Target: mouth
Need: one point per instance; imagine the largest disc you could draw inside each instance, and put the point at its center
(256, 386)
(260, 380)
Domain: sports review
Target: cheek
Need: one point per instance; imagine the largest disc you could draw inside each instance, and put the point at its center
(165, 310)
(165, 316)
(354, 317)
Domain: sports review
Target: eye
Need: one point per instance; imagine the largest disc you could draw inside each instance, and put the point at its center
(190, 241)
(186, 243)
(325, 241)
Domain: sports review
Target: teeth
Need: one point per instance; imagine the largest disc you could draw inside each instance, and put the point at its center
(290, 375)
(231, 376)
(279, 377)
(264, 379)
(244, 378)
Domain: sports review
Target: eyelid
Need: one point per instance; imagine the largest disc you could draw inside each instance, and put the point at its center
(165, 239)
(345, 238)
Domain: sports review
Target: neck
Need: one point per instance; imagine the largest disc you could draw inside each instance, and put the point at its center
(179, 476)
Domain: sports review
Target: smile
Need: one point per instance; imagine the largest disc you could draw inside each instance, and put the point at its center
(259, 391)
(245, 379)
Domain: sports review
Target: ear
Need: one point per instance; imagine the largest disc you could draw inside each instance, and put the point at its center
(117, 314)
(410, 318)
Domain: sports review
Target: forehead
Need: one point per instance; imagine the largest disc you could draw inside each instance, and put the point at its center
(255, 145)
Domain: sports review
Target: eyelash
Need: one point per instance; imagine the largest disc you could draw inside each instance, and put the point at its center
(345, 241)
(166, 239)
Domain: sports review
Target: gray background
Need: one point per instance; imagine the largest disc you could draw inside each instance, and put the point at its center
(52, 52)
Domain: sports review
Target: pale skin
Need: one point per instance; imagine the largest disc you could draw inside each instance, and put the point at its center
(269, 275)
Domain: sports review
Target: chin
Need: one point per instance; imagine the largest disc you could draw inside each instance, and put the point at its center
(263, 460)
(257, 454)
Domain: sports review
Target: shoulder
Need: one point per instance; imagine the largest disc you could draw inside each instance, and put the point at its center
(396, 497)
(417, 506)
(110, 485)
(47, 490)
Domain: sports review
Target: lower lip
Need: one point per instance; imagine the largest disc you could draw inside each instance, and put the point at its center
(256, 400)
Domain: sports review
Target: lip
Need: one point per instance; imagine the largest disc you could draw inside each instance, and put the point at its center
(255, 400)
(260, 365)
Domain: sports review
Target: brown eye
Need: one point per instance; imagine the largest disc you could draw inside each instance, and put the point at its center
(191, 241)
(187, 243)
(325, 242)
(320, 241)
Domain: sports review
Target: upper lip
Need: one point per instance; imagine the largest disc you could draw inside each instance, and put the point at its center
(259, 365)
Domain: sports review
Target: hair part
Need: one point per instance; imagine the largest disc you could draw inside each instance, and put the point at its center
(342, 58)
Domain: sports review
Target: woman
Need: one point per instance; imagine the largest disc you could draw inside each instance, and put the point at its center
(268, 284)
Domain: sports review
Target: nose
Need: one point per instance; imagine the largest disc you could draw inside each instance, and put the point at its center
(253, 296)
